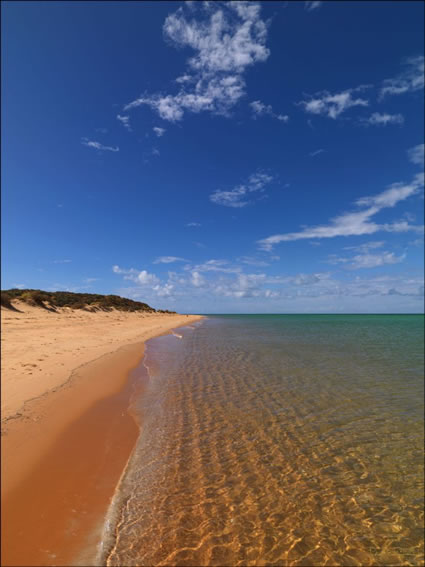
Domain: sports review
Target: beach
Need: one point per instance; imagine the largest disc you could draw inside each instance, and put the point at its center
(66, 431)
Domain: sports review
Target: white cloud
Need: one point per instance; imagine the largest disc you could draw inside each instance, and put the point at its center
(311, 5)
(62, 261)
(197, 279)
(416, 154)
(168, 260)
(193, 224)
(155, 152)
(98, 145)
(391, 196)
(165, 290)
(333, 105)
(411, 79)
(366, 259)
(316, 153)
(227, 39)
(215, 266)
(240, 195)
(374, 260)
(159, 131)
(317, 291)
(125, 121)
(364, 248)
(141, 277)
(357, 222)
(249, 260)
(261, 109)
(382, 119)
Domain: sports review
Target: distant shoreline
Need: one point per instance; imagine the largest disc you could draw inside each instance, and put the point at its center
(67, 434)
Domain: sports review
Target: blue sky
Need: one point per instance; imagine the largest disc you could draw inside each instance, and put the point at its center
(215, 157)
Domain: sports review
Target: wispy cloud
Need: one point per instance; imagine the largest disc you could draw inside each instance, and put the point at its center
(311, 5)
(382, 119)
(375, 260)
(316, 153)
(240, 196)
(168, 260)
(261, 109)
(125, 121)
(215, 265)
(416, 154)
(98, 145)
(252, 261)
(194, 224)
(411, 79)
(357, 222)
(333, 105)
(366, 247)
(159, 131)
(226, 38)
(365, 258)
(62, 261)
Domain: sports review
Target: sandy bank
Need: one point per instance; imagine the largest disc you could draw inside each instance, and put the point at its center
(66, 432)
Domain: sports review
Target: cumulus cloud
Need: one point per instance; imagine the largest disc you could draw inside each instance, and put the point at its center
(241, 195)
(98, 145)
(261, 109)
(159, 131)
(416, 154)
(311, 5)
(289, 292)
(333, 105)
(165, 290)
(226, 39)
(357, 222)
(141, 277)
(197, 279)
(382, 119)
(411, 79)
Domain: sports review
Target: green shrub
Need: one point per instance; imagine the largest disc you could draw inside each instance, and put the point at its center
(74, 300)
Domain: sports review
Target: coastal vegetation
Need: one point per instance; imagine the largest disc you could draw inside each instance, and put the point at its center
(88, 301)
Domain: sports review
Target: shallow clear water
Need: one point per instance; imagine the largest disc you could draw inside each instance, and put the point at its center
(283, 439)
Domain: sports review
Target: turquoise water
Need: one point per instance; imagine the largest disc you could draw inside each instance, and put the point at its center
(277, 440)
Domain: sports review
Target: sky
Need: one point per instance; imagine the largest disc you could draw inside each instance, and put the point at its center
(214, 157)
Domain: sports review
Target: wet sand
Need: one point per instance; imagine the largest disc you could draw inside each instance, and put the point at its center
(64, 451)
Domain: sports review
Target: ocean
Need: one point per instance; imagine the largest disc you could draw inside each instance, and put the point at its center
(276, 440)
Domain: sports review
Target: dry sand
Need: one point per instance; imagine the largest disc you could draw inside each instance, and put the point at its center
(66, 431)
